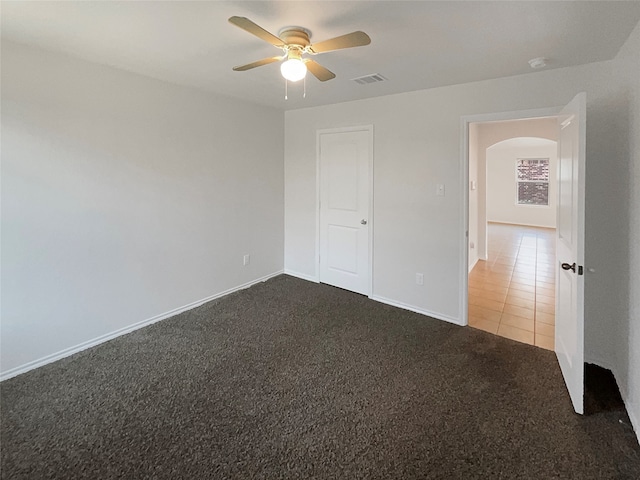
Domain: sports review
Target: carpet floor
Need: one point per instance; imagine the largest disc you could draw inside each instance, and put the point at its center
(291, 379)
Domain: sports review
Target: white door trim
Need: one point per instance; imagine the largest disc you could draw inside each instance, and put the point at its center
(360, 128)
(464, 188)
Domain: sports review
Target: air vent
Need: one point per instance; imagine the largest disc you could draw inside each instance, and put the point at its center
(373, 78)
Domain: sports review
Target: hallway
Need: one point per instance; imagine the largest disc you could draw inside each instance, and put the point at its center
(512, 294)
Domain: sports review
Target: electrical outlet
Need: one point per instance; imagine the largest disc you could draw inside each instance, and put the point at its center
(472, 245)
(440, 190)
(419, 279)
(246, 260)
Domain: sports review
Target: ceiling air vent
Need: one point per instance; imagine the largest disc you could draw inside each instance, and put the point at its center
(373, 78)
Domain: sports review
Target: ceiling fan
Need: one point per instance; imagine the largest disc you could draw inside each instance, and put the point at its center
(294, 42)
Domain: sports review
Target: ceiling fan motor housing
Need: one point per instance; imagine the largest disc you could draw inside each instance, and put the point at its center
(295, 36)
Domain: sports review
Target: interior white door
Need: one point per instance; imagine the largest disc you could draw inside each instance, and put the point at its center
(344, 159)
(570, 249)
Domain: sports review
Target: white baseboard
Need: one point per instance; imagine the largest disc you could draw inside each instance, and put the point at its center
(522, 224)
(475, 262)
(404, 306)
(303, 276)
(624, 393)
(123, 331)
(387, 301)
(635, 421)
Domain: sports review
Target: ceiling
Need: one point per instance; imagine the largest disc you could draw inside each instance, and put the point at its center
(415, 44)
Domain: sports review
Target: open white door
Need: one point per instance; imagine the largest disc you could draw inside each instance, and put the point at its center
(344, 162)
(570, 248)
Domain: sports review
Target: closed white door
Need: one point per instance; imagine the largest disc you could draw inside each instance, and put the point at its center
(570, 249)
(344, 162)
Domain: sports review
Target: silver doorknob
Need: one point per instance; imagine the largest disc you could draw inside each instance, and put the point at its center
(363, 221)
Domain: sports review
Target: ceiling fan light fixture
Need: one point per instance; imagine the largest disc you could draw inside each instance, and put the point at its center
(293, 69)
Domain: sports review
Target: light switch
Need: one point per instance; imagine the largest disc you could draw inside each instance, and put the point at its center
(440, 190)
(473, 185)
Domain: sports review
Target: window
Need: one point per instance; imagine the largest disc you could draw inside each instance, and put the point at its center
(532, 181)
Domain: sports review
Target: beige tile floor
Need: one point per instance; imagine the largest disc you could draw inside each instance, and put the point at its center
(512, 294)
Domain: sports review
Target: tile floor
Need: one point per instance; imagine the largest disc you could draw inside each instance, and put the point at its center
(512, 294)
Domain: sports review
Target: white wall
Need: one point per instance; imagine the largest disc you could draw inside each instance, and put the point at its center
(623, 187)
(124, 198)
(502, 185)
(417, 145)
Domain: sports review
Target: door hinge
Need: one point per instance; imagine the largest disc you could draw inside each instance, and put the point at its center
(580, 270)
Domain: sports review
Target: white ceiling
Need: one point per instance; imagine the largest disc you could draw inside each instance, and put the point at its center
(415, 44)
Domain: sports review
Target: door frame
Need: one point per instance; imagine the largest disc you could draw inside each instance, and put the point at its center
(464, 187)
(357, 128)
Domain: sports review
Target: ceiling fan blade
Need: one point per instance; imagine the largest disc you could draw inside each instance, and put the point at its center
(259, 63)
(254, 29)
(319, 71)
(354, 39)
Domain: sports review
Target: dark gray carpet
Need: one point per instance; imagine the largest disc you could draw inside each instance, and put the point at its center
(290, 379)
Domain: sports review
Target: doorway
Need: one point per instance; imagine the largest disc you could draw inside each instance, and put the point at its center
(512, 220)
(569, 307)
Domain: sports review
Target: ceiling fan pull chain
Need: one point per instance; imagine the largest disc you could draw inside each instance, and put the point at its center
(304, 87)
(286, 83)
